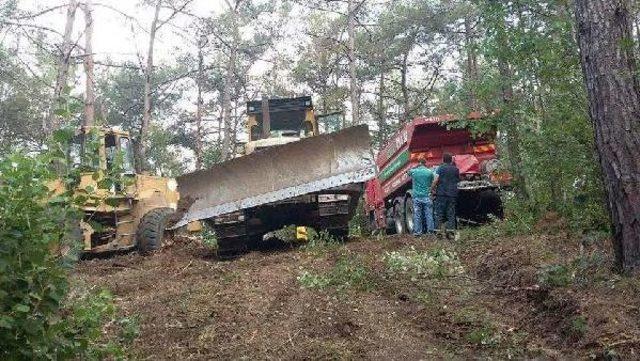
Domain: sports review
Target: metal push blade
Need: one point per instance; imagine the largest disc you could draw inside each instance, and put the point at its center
(277, 173)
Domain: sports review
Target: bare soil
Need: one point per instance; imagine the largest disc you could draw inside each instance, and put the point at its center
(513, 300)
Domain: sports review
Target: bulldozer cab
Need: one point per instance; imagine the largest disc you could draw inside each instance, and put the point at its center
(281, 120)
(102, 149)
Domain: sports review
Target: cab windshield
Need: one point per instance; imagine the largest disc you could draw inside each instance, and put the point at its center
(84, 152)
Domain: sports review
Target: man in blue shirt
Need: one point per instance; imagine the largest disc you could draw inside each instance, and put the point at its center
(422, 179)
(445, 188)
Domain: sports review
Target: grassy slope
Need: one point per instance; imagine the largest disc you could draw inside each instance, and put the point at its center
(546, 296)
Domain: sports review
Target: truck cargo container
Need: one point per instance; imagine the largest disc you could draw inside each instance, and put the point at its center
(388, 200)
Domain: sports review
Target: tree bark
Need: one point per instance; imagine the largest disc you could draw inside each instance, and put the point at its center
(353, 81)
(404, 67)
(609, 69)
(200, 78)
(472, 61)
(227, 142)
(512, 119)
(89, 96)
(513, 133)
(148, 78)
(53, 122)
(382, 110)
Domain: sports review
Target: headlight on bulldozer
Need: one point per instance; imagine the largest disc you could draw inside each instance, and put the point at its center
(172, 185)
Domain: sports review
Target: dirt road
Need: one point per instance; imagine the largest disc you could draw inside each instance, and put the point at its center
(357, 301)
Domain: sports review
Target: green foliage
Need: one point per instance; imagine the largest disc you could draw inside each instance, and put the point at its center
(578, 327)
(359, 224)
(320, 241)
(347, 273)
(535, 40)
(485, 336)
(556, 275)
(311, 280)
(163, 155)
(209, 238)
(23, 101)
(38, 318)
(122, 94)
(436, 263)
(129, 329)
(212, 156)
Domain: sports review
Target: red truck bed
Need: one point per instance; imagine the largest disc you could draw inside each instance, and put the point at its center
(428, 138)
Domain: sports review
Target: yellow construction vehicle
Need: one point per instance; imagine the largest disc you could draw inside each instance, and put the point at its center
(130, 212)
(290, 174)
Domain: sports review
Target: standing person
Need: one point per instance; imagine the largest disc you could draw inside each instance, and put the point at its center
(445, 188)
(422, 181)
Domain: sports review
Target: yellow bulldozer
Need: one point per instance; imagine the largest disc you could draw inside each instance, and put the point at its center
(130, 213)
(290, 175)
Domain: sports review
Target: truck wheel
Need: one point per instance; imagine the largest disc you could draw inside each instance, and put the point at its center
(150, 234)
(398, 217)
(408, 214)
(372, 226)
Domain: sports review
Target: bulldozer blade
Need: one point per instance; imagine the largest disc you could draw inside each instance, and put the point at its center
(277, 173)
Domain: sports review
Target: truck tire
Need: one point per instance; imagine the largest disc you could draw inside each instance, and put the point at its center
(150, 233)
(398, 217)
(408, 214)
(372, 225)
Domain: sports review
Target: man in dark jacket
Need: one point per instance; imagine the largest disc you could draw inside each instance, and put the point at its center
(445, 188)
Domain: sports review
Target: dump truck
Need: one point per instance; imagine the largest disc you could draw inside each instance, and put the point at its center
(290, 174)
(129, 212)
(388, 200)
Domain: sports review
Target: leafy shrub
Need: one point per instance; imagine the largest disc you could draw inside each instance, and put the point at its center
(209, 239)
(437, 263)
(485, 336)
(578, 327)
(347, 273)
(557, 275)
(320, 240)
(311, 280)
(38, 319)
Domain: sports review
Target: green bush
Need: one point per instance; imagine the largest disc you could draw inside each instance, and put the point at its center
(437, 263)
(38, 319)
(346, 273)
(557, 275)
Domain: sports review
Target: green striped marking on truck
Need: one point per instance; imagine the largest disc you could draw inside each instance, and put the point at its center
(394, 166)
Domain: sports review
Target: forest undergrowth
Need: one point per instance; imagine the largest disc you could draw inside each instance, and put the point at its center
(547, 294)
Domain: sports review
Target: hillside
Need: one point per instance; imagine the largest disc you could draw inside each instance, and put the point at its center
(548, 296)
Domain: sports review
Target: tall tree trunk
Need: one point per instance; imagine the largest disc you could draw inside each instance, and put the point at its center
(404, 88)
(472, 62)
(199, 135)
(382, 110)
(512, 119)
(148, 77)
(353, 81)
(513, 133)
(227, 142)
(614, 104)
(89, 96)
(52, 121)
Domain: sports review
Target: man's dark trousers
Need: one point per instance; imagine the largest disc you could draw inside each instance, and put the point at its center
(446, 207)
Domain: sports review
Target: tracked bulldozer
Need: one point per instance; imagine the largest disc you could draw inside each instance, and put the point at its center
(289, 175)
